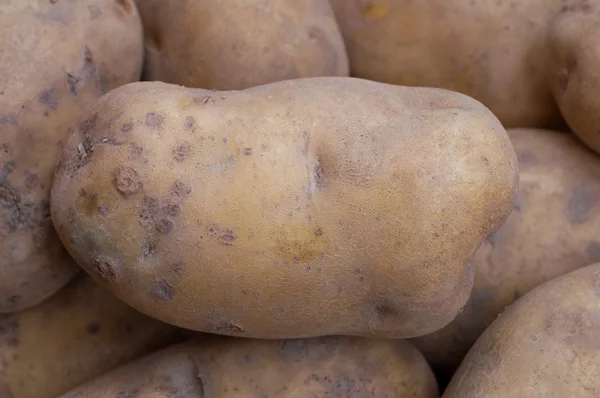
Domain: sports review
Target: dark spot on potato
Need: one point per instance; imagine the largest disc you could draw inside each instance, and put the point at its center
(319, 175)
(154, 120)
(15, 211)
(181, 152)
(93, 328)
(228, 328)
(94, 11)
(164, 226)
(384, 311)
(10, 331)
(223, 236)
(71, 214)
(172, 209)
(190, 122)
(593, 251)
(247, 151)
(89, 124)
(31, 179)
(128, 394)
(178, 267)
(319, 231)
(49, 98)
(164, 290)
(76, 79)
(581, 205)
(293, 350)
(180, 189)
(103, 210)
(485, 161)
(8, 118)
(148, 249)
(135, 150)
(44, 210)
(127, 181)
(248, 358)
(527, 158)
(106, 268)
(127, 127)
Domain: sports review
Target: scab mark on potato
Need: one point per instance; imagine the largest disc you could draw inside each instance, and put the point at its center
(10, 331)
(247, 151)
(228, 328)
(107, 268)
(148, 249)
(581, 204)
(127, 180)
(181, 152)
(190, 122)
(154, 120)
(576, 329)
(164, 290)
(127, 127)
(89, 124)
(128, 394)
(164, 226)
(15, 211)
(293, 350)
(103, 210)
(318, 175)
(223, 236)
(178, 267)
(49, 98)
(180, 189)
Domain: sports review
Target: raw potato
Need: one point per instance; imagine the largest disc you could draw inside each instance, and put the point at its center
(546, 345)
(56, 58)
(302, 208)
(519, 58)
(236, 44)
(226, 367)
(78, 334)
(554, 229)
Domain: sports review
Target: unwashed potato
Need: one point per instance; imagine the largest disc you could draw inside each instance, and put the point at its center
(519, 58)
(230, 367)
(546, 345)
(301, 208)
(554, 229)
(236, 44)
(56, 57)
(78, 334)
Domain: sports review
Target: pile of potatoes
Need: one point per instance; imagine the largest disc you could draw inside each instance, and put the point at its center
(299, 198)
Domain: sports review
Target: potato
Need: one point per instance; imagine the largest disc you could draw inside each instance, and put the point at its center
(230, 367)
(547, 344)
(301, 208)
(520, 59)
(56, 58)
(236, 44)
(78, 334)
(553, 229)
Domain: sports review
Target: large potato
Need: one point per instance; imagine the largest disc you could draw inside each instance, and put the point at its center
(78, 334)
(546, 345)
(56, 57)
(554, 229)
(226, 367)
(301, 208)
(519, 58)
(236, 44)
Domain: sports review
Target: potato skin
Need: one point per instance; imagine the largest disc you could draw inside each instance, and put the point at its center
(86, 332)
(544, 345)
(236, 44)
(550, 232)
(224, 367)
(57, 57)
(302, 208)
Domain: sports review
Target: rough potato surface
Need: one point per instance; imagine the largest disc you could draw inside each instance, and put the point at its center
(546, 345)
(225, 367)
(301, 208)
(78, 334)
(236, 44)
(554, 228)
(56, 57)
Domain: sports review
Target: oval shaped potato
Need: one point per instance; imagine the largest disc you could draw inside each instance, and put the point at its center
(236, 44)
(547, 344)
(301, 208)
(78, 334)
(57, 57)
(226, 367)
(554, 229)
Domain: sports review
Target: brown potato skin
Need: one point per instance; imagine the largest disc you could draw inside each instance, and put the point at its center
(550, 232)
(57, 57)
(543, 61)
(309, 207)
(236, 44)
(544, 345)
(225, 367)
(78, 334)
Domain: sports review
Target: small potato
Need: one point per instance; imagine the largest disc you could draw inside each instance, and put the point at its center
(78, 334)
(547, 344)
(554, 229)
(56, 57)
(519, 58)
(301, 208)
(236, 44)
(229, 367)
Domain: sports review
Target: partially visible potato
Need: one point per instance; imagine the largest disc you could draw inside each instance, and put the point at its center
(56, 57)
(545, 345)
(229, 367)
(554, 229)
(236, 44)
(301, 208)
(78, 334)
